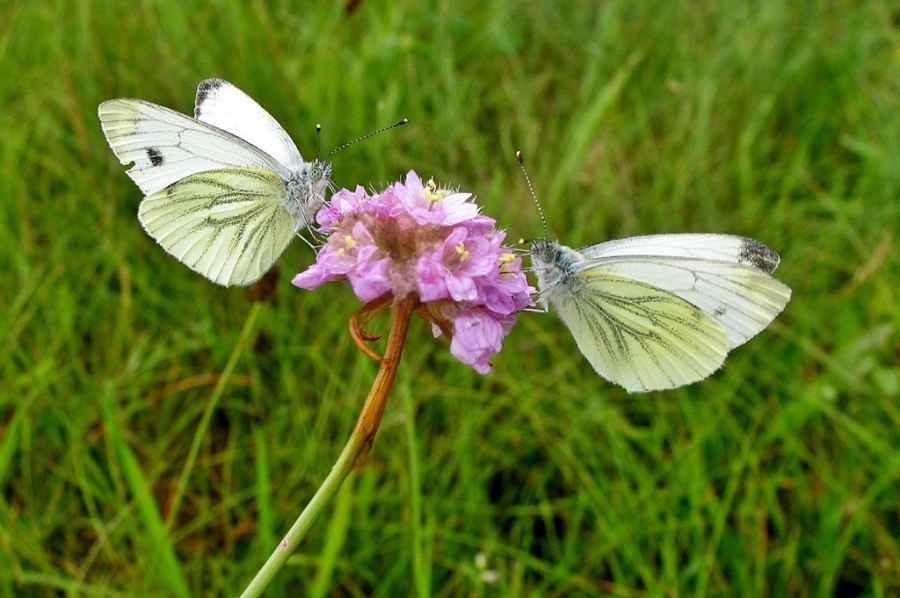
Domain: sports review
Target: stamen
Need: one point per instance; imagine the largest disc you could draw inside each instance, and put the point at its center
(431, 192)
(505, 260)
(461, 250)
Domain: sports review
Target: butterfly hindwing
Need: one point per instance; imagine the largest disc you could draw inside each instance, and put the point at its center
(229, 225)
(637, 335)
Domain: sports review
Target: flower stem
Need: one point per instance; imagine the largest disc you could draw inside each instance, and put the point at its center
(355, 451)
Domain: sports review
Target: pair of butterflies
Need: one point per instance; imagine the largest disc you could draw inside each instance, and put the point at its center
(227, 191)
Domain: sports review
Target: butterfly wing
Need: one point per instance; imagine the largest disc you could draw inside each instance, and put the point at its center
(230, 225)
(701, 246)
(637, 335)
(742, 299)
(166, 146)
(223, 105)
(726, 276)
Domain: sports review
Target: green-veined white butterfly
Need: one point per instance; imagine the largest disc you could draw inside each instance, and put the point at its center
(660, 311)
(225, 191)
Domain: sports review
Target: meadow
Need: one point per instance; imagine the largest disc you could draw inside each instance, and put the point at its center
(159, 434)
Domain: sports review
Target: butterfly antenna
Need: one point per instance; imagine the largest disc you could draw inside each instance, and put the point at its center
(533, 194)
(349, 143)
(318, 140)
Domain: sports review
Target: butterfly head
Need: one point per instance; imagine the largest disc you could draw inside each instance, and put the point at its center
(306, 190)
(319, 176)
(553, 265)
(544, 253)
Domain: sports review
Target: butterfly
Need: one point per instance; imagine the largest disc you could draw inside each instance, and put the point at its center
(225, 191)
(660, 311)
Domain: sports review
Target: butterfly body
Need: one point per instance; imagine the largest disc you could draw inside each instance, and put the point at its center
(660, 311)
(225, 191)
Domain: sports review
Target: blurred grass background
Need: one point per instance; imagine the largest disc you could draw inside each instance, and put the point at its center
(778, 476)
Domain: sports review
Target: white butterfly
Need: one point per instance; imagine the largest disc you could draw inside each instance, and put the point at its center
(227, 190)
(660, 311)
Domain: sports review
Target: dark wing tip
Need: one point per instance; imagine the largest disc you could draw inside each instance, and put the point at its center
(206, 87)
(755, 254)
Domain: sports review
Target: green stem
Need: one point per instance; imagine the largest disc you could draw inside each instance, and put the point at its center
(355, 450)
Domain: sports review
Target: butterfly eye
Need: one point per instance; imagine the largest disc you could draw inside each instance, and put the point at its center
(315, 173)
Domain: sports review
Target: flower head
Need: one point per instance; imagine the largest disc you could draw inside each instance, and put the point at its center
(415, 238)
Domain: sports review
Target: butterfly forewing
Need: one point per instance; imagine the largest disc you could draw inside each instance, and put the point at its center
(637, 335)
(700, 246)
(166, 146)
(223, 105)
(229, 225)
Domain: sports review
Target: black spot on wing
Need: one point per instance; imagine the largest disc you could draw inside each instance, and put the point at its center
(155, 156)
(753, 253)
(203, 90)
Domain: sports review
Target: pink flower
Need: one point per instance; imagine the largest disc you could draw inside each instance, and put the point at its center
(418, 239)
(428, 205)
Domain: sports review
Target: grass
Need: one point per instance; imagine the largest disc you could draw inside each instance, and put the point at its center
(778, 476)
